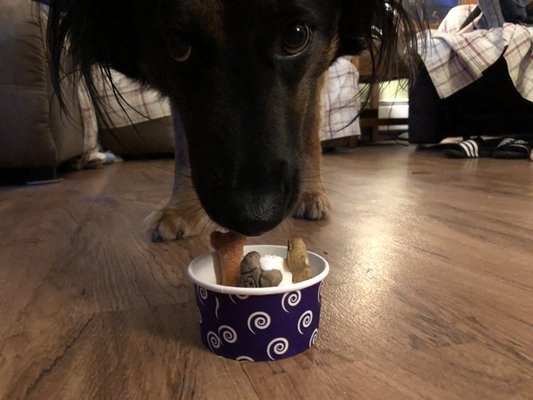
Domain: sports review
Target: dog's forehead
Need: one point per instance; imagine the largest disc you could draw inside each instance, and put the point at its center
(207, 14)
(216, 16)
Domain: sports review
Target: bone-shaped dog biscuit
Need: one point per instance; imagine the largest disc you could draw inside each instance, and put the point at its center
(297, 260)
(229, 247)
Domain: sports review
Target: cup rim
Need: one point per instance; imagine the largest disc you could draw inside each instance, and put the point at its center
(238, 291)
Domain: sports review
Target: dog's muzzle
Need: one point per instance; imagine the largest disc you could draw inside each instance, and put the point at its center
(253, 214)
(255, 205)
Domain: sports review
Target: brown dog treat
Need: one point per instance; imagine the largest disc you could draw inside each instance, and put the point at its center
(270, 278)
(297, 260)
(250, 270)
(252, 275)
(229, 247)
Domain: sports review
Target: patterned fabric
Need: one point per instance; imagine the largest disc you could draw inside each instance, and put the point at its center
(92, 152)
(455, 19)
(137, 105)
(341, 101)
(456, 59)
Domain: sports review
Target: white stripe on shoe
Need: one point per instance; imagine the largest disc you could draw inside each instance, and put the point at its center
(506, 141)
(466, 149)
(473, 148)
(475, 145)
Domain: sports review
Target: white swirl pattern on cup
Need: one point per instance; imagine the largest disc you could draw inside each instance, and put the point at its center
(313, 338)
(199, 315)
(278, 346)
(245, 358)
(217, 307)
(225, 339)
(291, 299)
(261, 320)
(213, 341)
(238, 296)
(227, 333)
(305, 321)
(202, 294)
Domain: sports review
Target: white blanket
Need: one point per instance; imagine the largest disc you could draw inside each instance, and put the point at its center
(456, 58)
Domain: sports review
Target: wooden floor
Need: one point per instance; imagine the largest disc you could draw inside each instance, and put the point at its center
(430, 294)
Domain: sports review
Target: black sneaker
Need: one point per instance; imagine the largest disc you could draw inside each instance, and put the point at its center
(510, 148)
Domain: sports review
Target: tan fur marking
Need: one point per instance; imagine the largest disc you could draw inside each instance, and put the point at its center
(313, 202)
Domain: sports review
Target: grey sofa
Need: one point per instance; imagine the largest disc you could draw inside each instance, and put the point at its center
(34, 134)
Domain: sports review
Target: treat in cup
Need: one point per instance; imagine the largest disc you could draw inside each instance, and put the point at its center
(258, 324)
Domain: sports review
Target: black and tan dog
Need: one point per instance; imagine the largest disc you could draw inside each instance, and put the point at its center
(244, 76)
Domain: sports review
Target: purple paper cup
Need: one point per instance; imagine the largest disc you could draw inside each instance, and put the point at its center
(258, 324)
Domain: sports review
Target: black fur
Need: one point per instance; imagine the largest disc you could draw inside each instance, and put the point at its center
(245, 104)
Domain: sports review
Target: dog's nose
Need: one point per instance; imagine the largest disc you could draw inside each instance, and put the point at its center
(253, 214)
(260, 204)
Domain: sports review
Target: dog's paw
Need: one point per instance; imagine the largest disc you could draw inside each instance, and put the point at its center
(171, 223)
(313, 205)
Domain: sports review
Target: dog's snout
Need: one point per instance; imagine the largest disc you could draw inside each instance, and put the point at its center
(254, 215)
(259, 199)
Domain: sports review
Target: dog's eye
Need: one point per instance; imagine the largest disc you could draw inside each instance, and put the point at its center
(296, 38)
(178, 48)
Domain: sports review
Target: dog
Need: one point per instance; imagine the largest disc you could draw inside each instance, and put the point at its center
(244, 80)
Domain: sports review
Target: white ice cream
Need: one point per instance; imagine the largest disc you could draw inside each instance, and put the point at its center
(268, 263)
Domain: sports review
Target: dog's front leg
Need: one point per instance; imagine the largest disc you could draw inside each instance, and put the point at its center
(183, 216)
(313, 202)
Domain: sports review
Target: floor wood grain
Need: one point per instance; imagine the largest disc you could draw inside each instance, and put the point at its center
(430, 294)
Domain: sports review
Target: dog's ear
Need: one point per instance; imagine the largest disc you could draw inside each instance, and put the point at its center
(387, 29)
(106, 33)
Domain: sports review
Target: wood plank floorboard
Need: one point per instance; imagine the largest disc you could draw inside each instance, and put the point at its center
(430, 295)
